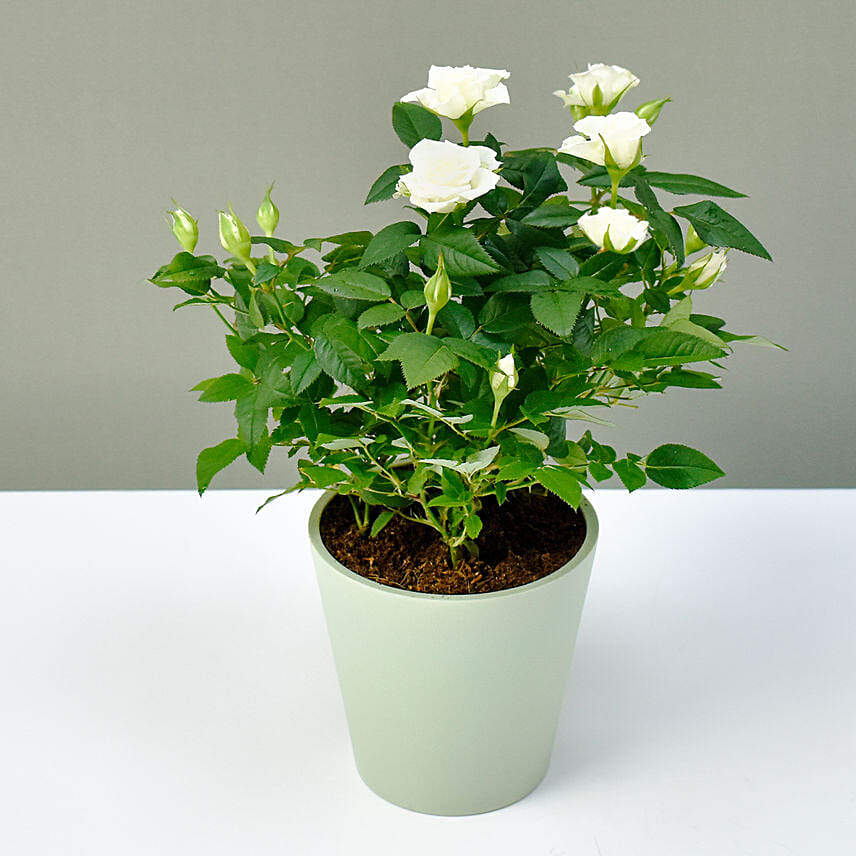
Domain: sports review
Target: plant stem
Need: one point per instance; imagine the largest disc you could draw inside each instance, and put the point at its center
(223, 318)
(362, 521)
(496, 405)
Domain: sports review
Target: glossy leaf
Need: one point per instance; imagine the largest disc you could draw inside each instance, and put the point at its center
(557, 310)
(462, 253)
(422, 357)
(558, 262)
(720, 229)
(563, 483)
(680, 467)
(214, 459)
(683, 184)
(412, 123)
(389, 241)
(355, 285)
(380, 315)
(228, 387)
(384, 186)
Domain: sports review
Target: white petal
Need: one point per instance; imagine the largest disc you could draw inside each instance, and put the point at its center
(416, 95)
(497, 95)
(580, 147)
(487, 157)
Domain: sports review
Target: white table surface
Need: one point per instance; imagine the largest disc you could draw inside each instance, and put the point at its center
(168, 687)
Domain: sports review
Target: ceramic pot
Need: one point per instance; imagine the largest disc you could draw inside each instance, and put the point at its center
(452, 701)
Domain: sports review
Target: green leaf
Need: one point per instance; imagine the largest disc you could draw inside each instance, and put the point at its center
(321, 476)
(662, 347)
(683, 184)
(192, 274)
(557, 310)
(529, 282)
(476, 354)
(389, 241)
(561, 482)
(761, 341)
(228, 387)
(214, 459)
(355, 285)
(457, 319)
(412, 123)
(652, 346)
(537, 174)
(537, 438)
(277, 244)
(255, 314)
(242, 354)
(462, 253)
(663, 225)
(422, 357)
(560, 263)
(353, 239)
(259, 454)
(304, 371)
(380, 315)
(265, 272)
(719, 229)
(690, 379)
(684, 325)
(342, 352)
(588, 285)
(505, 313)
(555, 213)
(632, 475)
(710, 322)
(251, 413)
(680, 467)
(412, 298)
(598, 176)
(473, 525)
(380, 521)
(384, 186)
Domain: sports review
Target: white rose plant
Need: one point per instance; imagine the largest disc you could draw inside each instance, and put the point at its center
(440, 361)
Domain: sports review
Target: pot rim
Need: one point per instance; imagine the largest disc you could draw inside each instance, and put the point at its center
(578, 559)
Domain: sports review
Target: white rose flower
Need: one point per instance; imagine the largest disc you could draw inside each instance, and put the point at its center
(503, 377)
(453, 91)
(446, 175)
(614, 229)
(600, 86)
(706, 271)
(621, 133)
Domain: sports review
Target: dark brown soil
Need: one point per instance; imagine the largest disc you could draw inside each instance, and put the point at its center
(529, 536)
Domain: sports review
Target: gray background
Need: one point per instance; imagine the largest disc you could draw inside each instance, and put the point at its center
(109, 109)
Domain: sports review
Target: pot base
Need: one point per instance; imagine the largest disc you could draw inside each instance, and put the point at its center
(463, 807)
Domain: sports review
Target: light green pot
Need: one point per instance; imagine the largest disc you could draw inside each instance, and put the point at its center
(452, 700)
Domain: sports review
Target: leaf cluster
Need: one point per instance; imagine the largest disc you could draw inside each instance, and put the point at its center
(334, 364)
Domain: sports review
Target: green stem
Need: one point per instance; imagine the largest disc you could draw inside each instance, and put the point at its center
(432, 317)
(613, 199)
(464, 127)
(223, 318)
(454, 554)
(362, 522)
(496, 405)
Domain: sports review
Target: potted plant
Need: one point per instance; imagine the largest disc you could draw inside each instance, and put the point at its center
(426, 375)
